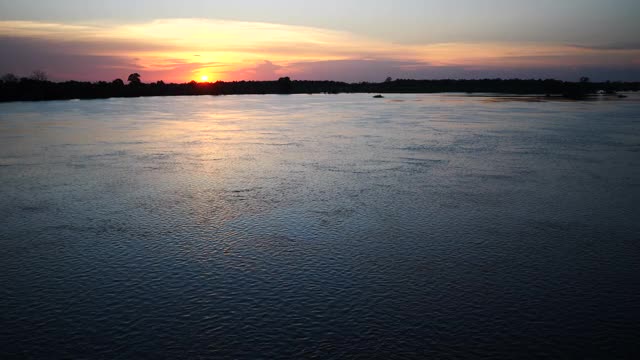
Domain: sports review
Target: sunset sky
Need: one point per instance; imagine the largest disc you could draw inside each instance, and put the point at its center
(348, 40)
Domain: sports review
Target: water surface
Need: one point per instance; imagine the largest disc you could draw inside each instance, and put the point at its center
(415, 226)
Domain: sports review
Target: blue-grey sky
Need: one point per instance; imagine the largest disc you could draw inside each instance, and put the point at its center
(532, 29)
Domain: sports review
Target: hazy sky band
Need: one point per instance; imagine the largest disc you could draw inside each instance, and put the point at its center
(341, 40)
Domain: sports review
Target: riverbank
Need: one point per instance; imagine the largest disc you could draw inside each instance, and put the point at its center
(33, 90)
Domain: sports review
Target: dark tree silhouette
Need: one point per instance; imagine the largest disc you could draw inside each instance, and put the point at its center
(388, 79)
(9, 78)
(39, 75)
(134, 79)
(27, 89)
(284, 85)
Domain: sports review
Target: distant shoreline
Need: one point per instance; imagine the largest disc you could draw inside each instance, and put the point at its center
(36, 90)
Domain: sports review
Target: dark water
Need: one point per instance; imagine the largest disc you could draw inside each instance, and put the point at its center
(416, 226)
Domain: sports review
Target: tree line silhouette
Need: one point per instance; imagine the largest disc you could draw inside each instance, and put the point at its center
(38, 87)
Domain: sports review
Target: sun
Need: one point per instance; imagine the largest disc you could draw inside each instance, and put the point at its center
(204, 78)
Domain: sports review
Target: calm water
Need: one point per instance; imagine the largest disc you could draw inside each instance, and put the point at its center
(416, 226)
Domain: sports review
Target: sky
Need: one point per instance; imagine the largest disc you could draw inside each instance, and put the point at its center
(345, 40)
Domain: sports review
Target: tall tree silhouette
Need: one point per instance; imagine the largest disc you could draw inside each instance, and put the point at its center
(134, 79)
(284, 85)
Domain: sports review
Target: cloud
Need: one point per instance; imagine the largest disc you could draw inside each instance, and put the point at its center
(235, 50)
(27, 55)
(265, 70)
(182, 34)
(378, 70)
(354, 70)
(612, 47)
(67, 61)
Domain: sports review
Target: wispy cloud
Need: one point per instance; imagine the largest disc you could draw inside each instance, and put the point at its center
(612, 46)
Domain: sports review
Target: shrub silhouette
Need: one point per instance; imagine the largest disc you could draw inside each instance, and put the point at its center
(39, 75)
(9, 78)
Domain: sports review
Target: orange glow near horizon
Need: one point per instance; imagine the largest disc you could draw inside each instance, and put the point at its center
(180, 50)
